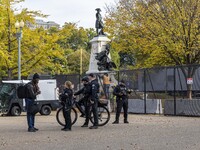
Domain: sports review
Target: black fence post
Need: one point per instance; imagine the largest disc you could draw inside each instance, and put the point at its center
(118, 77)
(145, 100)
(80, 81)
(175, 91)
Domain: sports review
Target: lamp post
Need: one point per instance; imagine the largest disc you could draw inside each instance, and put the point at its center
(81, 62)
(19, 26)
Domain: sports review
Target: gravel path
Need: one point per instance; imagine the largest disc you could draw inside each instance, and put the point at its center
(144, 132)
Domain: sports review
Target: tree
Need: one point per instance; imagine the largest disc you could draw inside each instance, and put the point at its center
(42, 54)
(159, 32)
(8, 38)
(72, 37)
(74, 61)
(42, 51)
(39, 50)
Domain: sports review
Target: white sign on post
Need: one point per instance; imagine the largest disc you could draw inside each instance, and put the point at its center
(189, 80)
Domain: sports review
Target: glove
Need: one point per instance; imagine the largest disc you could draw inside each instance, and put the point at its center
(92, 101)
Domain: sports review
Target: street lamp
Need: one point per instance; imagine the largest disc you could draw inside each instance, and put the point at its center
(81, 62)
(19, 26)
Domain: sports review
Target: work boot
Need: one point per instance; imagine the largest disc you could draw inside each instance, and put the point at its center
(31, 130)
(84, 125)
(115, 122)
(93, 127)
(66, 129)
(63, 128)
(82, 115)
(126, 121)
(36, 129)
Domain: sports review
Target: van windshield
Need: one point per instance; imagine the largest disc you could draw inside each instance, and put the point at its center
(6, 94)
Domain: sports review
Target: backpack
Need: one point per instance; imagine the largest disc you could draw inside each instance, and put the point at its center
(22, 91)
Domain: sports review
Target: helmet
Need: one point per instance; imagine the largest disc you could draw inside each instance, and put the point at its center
(85, 79)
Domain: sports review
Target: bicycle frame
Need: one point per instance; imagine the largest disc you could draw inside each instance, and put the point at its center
(103, 113)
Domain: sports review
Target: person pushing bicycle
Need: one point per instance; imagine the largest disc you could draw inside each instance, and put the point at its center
(84, 100)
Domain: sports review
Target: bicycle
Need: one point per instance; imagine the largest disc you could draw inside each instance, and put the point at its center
(103, 113)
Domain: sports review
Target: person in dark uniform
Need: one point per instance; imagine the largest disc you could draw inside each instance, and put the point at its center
(94, 85)
(121, 92)
(66, 98)
(84, 100)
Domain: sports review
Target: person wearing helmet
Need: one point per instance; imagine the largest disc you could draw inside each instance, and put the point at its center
(84, 101)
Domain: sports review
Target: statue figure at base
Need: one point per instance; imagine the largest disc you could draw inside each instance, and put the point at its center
(104, 63)
(99, 23)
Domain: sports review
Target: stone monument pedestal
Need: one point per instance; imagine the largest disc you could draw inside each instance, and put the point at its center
(98, 44)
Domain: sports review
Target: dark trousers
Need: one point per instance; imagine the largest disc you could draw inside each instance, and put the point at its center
(122, 102)
(87, 112)
(82, 102)
(106, 90)
(95, 112)
(67, 116)
(30, 117)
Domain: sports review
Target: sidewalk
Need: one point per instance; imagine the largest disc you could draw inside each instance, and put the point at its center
(144, 132)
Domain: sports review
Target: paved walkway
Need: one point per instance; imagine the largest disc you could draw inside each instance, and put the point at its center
(144, 132)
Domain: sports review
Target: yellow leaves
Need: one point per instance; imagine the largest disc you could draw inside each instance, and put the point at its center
(42, 50)
(160, 31)
(73, 61)
(3, 56)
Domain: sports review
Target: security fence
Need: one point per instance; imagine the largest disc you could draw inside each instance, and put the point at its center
(162, 90)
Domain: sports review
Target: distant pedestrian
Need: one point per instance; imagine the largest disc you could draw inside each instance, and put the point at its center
(106, 85)
(32, 91)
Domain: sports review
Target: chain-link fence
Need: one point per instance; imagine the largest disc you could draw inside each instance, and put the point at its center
(161, 90)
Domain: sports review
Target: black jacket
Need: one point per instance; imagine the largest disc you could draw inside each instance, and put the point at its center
(94, 88)
(66, 96)
(31, 90)
(85, 91)
(121, 91)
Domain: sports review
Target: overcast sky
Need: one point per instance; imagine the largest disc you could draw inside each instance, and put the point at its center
(81, 12)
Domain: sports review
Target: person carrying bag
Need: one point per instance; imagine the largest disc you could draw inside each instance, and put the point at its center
(31, 106)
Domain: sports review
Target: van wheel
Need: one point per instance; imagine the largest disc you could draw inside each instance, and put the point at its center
(45, 110)
(15, 111)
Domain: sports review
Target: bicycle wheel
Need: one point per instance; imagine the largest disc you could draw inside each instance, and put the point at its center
(60, 117)
(103, 115)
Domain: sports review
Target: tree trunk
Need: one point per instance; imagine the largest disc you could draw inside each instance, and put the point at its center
(189, 72)
(189, 91)
(9, 74)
